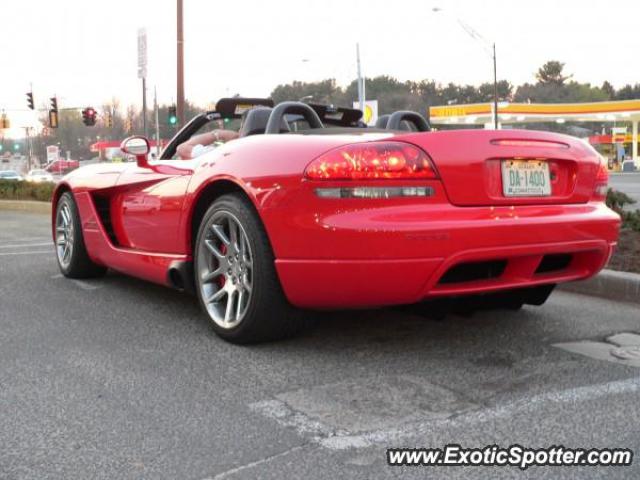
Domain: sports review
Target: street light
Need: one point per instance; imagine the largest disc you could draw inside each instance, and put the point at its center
(492, 52)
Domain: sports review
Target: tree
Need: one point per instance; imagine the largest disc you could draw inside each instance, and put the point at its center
(551, 73)
(608, 89)
(628, 92)
(325, 91)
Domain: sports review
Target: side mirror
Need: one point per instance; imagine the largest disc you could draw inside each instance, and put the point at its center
(139, 147)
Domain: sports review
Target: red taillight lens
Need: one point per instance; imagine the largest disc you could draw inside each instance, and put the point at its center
(602, 181)
(371, 161)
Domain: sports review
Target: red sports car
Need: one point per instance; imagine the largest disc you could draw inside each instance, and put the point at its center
(309, 209)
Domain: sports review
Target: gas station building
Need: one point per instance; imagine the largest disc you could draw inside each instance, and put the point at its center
(620, 138)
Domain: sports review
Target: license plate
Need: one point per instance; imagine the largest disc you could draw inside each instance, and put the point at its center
(525, 178)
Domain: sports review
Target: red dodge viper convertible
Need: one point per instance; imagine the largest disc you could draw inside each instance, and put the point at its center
(309, 209)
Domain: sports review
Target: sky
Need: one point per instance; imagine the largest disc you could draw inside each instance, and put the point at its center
(85, 51)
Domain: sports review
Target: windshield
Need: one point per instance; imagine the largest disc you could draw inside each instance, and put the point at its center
(37, 172)
(8, 173)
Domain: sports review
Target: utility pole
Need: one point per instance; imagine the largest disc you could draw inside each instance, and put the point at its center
(144, 108)
(495, 89)
(180, 65)
(490, 49)
(142, 74)
(155, 108)
(361, 93)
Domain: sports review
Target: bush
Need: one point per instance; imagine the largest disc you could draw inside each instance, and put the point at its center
(631, 220)
(616, 201)
(20, 190)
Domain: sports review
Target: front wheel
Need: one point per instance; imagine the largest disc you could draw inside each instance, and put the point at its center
(71, 252)
(236, 280)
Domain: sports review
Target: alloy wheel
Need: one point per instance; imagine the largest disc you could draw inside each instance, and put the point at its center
(64, 235)
(225, 270)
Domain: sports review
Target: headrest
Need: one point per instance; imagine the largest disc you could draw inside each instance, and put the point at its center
(382, 121)
(254, 122)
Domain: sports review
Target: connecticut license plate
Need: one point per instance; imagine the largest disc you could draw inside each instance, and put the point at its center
(525, 178)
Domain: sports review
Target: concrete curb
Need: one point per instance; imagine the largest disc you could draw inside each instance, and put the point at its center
(609, 284)
(26, 206)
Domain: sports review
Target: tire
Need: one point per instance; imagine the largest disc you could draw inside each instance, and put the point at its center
(239, 267)
(71, 252)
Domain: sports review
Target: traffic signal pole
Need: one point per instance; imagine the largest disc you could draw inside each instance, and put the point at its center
(29, 149)
(180, 65)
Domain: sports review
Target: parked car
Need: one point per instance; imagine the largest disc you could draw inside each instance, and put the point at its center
(10, 175)
(39, 176)
(62, 166)
(336, 215)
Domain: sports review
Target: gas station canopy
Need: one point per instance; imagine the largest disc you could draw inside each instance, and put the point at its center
(513, 114)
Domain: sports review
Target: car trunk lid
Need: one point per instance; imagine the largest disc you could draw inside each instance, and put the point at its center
(474, 165)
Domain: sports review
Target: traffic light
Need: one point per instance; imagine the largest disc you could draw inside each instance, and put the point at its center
(108, 119)
(16, 146)
(53, 112)
(30, 101)
(89, 116)
(128, 125)
(53, 119)
(173, 116)
(4, 121)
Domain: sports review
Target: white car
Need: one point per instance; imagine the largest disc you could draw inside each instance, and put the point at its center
(39, 176)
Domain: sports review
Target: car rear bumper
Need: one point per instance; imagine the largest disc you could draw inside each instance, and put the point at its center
(485, 250)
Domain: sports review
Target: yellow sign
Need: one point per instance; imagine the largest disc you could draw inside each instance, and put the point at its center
(370, 113)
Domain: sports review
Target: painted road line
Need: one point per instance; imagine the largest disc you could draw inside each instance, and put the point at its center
(26, 253)
(334, 439)
(27, 245)
(25, 239)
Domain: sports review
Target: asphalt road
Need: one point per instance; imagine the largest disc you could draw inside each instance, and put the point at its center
(628, 183)
(120, 379)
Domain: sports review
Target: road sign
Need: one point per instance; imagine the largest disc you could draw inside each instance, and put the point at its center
(53, 153)
(142, 53)
(370, 114)
(618, 134)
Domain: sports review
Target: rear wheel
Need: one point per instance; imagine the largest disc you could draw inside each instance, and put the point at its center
(236, 281)
(73, 260)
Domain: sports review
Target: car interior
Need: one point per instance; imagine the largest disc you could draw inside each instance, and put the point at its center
(258, 116)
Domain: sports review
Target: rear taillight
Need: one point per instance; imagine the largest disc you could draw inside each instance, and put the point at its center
(508, 142)
(371, 161)
(602, 181)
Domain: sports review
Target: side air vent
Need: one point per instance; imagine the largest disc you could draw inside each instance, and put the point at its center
(104, 212)
(474, 271)
(554, 262)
